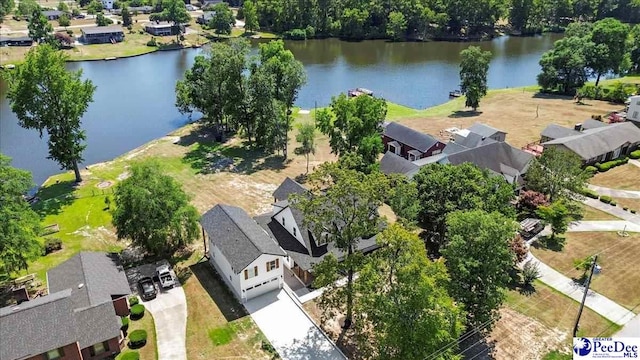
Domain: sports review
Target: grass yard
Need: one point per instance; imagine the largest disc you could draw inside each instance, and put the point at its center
(617, 255)
(150, 350)
(218, 327)
(629, 203)
(625, 177)
(591, 213)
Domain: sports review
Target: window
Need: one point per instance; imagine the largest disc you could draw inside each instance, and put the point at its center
(323, 239)
(99, 348)
(250, 273)
(54, 354)
(635, 114)
(272, 265)
(294, 231)
(283, 221)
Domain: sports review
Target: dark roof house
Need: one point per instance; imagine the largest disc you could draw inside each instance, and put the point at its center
(52, 14)
(102, 34)
(409, 143)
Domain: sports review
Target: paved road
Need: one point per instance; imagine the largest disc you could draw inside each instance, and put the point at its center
(290, 330)
(604, 225)
(631, 194)
(169, 312)
(631, 329)
(613, 210)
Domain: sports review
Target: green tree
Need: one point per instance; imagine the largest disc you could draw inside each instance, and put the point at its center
(63, 20)
(250, 16)
(530, 272)
(557, 173)
(19, 225)
(520, 13)
(176, 13)
(610, 51)
(443, 189)
(94, 7)
(27, 7)
(403, 198)
(222, 21)
(404, 310)
(479, 258)
(474, 66)
(62, 6)
(102, 20)
(126, 16)
(153, 211)
(48, 98)
(564, 68)
(39, 28)
(6, 6)
(396, 25)
(354, 126)
(306, 138)
(557, 215)
(343, 205)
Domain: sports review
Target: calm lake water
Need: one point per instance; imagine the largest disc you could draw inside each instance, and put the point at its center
(134, 101)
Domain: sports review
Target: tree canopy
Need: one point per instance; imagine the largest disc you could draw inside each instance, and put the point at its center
(153, 211)
(6, 6)
(175, 12)
(306, 138)
(478, 257)
(19, 225)
(39, 28)
(222, 20)
(557, 173)
(474, 67)
(46, 97)
(404, 310)
(250, 10)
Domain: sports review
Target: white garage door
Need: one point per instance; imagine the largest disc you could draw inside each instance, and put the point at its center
(260, 289)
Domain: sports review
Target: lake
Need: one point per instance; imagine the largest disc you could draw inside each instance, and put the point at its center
(134, 100)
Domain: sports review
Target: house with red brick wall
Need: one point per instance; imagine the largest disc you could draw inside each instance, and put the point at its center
(408, 143)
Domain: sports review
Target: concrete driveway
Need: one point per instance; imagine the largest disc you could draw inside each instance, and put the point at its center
(289, 329)
(169, 310)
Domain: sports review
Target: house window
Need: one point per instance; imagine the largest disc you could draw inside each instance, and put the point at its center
(250, 273)
(394, 149)
(294, 232)
(635, 114)
(272, 265)
(99, 348)
(54, 354)
(283, 221)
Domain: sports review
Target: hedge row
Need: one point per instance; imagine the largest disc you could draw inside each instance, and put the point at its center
(635, 154)
(611, 164)
(606, 199)
(589, 193)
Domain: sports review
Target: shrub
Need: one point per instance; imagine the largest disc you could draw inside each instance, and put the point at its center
(602, 167)
(137, 338)
(133, 300)
(530, 273)
(137, 312)
(613, 203)
(130, 355)
(633, 211)
(152, 42)
(606, 199)
(310, 32)
(296, 34)
(625, 208)
(240, 14)
(591, 169)
(51, 245)
(125, 323)
(635, 154)
(589, 193)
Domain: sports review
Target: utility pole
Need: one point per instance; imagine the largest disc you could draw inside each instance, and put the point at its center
(584, 297)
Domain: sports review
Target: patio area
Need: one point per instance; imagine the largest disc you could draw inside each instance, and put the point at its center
(294, 283)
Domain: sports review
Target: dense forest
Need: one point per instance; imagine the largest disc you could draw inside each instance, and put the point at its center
(422, 19)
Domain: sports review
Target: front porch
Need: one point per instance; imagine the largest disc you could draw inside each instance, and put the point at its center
(294, 283)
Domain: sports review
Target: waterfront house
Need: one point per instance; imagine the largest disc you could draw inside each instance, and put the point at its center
(553, 131)
(16, 41)
(159, 28)
(408, 143)
(79, 319)
(244, 255)
(205, 17)
(102, 34)
(52, 14)
(633, 110)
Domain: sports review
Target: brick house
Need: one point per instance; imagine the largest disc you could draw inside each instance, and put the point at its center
(408, 143)
(78, 320)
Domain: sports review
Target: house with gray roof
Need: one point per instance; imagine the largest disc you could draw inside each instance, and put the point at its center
(242, 252)
(554, 131)
(79, 319)
(52, 14)
(488, 132)
(408, 143)
(600, 144)
(286, 188)
(102, 34)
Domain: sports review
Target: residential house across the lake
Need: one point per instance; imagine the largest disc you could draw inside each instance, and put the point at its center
(205, 17)
(16, 41)
(243, 254)
(52, 14)
(79, 319)
(159, 28)
(408, 143)
(102, 34)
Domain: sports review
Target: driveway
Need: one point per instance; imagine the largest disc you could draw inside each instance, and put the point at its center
(169, 310)
(289, 329)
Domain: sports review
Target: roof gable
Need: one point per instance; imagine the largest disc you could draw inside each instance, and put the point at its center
(598, 141)
(238, 237)
(410, 137)
(499, 157)
(553, 131)
(484, 130)
(395, 164)
(286, 188)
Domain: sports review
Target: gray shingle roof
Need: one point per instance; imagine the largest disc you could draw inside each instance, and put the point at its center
(452, 148)
(484, 130)
(553, 131)
(498, 157)
(592, 124)
(96, 324)
(240, 239)
(287, 187)
(102, 29)
(474, 140)
(395, 164)
(52, 13)
(599, 141)
(100, 273)
(410, 137)
(36, 326)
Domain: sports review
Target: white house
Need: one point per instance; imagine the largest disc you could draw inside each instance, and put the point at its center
(633, 110)
(245, 256)
(107, 4)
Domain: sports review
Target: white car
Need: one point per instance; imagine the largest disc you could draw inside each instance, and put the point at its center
(165, 277)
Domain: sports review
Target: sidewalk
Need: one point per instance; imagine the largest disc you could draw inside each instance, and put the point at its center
(596, 302)
(613, 210)
(604, 225)
(631, 194)
(631, 329)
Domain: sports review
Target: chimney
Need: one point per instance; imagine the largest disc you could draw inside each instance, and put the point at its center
(578, 127)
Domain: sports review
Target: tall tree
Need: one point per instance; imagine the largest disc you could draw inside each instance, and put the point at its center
(557, 173)
(478, 257)
(404, 310)
(610, 51)
(354, 125)
(222, 21)
(19, 225)
(557, 215)
(250, 16)
(62, 6)
(396, 26)
(102, 20)
(176, 13)
(403, 198)
(39, 28)
(343, 204)
(27, 7)
(474, 66)
(153, 211)
(126, 16)
(443, 189)
(306, 138)
(6, 6)
(564, 68)
(47, 97)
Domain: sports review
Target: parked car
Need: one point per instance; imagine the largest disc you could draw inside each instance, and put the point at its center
(147, 288)
(165, 277)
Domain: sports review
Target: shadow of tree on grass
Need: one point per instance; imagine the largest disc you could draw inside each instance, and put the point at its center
(52, 198)
(218, 291)
(465, 114)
